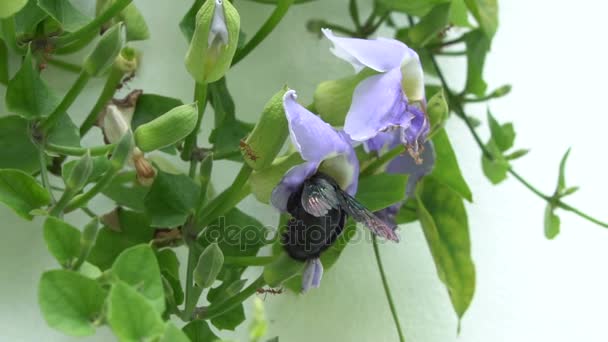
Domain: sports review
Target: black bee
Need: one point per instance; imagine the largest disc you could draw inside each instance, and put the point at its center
(319, 210)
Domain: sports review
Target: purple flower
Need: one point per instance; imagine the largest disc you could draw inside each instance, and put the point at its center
(392, 100)
(318, 194)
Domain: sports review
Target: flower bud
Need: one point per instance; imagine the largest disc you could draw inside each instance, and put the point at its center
(115, 123)
(127, 60)
(137, 29)
(167, 129)
(104, 54)
(501, 91)
(122, 151)
(263, 181)
(209, 266)
(80, 173)
(214, 42)
(437, 109)
(145, 172)
(268, 136)
(89, 234)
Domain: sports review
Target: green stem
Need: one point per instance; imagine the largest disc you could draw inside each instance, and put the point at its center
(248, 260)
(200, 96)
(57, 209)
(450, 53)
(84, 198)
(272, 21)
(79, 151)
(193, 292)
(387, 290)
(67, 66)
(68, 99)
(215, 310)
(76, 46)
(44, 175)
(587, 217)
(95, 24)
(354, 13)
(109, 89)
(10, 36)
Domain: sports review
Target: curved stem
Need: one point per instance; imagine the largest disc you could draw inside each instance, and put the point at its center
(109, 89)
(44, 175)
(84, 198)
(249, 260)
(95, 24)
(587, 217)
(200, 96)
(66, 102)
(67, 66)
(215, 310)
(79, 151)
(272, 21)
(387, 290)
(193, 292)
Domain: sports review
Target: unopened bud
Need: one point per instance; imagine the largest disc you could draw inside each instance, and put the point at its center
(80, 173)
(209, 266)
(167, 129)
(144, 170)
(104, 54)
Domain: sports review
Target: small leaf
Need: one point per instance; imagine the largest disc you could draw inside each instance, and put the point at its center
(64, 132)
(105, 52)
(486, 14)
(437, 109)
(62, 240)
(80, 173)
(209, 266)
(561, 181)
(569, 191)
(131, 316)
(170, 199)
(137, 29)
(478, 46)
(173, 334)
(137, 266)
(28, 18)
(70, 18)
(517, 154)
(552, 222)
(199, 331)
(495, 169)
(125, 191)
(430, 25)
(10, 7)
(230, 319)
(444, 222)
(101, 164)
(459, 15)
(27, 95)
(21, 192)
(503, 135)
(379, 191)
(446, 168)
(70, 302)
(17, 151)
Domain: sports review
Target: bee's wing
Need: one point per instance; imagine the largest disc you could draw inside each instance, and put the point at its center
(361, 214)
(318, 197)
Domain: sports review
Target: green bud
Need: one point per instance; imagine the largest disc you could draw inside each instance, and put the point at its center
(127, 60)
(268, 136)
(332, 98)
(437, 109)
(263, 181)
(80, 173)
(501, 91)
(104, 54)
(209, 266)
(214, 42)
(89, 234)
(167, 129)
(205, 178)
(282, 269)
(137, 29)
(122, 151)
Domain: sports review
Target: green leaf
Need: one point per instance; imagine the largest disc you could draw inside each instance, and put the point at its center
(131, 316)
(70, 18)
(64, 132)
(379, 191)
(230, 319)
(517, 154)
(561, 180)
(170, 199)
(70, 302)
(173, 334)
(227, 137)
(3, 62)
(495, 169)
(168, 261)
(459, 15)
(28, 18)
(282, 269)
(444, 222)
(446, 168)
(417, 8)
(137, 266)
(21, 192)
(137, 29)
(478, 46)
(17, 151)
(10, 7)
(188, 22)
(209, 264)
(27, 95)
(503, 135)
(101, 164)
(199, 331)
(486, 14)
(430, 25)
(62, 240)
(125, 191)
(127, 229)
(105, 52)
(552, 222)
(407, 213)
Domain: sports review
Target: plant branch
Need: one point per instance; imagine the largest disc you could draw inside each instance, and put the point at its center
(109, 89)
(79, 151)
(44, 175)
(215, 310)
(66, 102)
(200, 96)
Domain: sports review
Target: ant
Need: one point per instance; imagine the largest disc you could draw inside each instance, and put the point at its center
(269, 290)
(248, 150)
(125, 80)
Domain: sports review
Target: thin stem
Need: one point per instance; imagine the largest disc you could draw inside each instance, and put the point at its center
(448, 42)
(192, 291)
(109, 89)
(79, 151)
(57, 209)
(44, 175)
(272, 21)
(192, 170)
(84, 198)
(354, 13)
(67, 66)
(200, 96)
(95, 24)
(215, 310)
(587, 217)
(450, 53)
(387, 290)
(68, 99)
(89, 212)
(340, 29)
(248, 260)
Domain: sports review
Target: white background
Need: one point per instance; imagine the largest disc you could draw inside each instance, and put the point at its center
(528, 288)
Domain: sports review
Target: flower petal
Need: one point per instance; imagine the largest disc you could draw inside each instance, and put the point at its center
(218, 32)
(314, 138)
(391, 139)
(380, 54)
(311, 277)
(290, 183)
(413, 78)
(378, 103)
(415, 134)
(405, 164)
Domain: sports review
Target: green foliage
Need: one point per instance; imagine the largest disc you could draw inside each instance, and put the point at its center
(477, 48)
(501, 141)
(62, 240)
(10, 7)
(105, 52)
(379, 191)
(430, 25)
(198, 331)
(17, 151)
(486, 14)
(70, 18)
(173, 334)
(208, 266)
(418, 8)
(170, 199)
(21, 192)
(446, 168)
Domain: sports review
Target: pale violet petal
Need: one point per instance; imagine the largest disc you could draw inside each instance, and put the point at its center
(218, 32)
(318, 273)
(380, 54)
(311, 277)
(405, 164)
(378, 103)
(389, 139)
(290, 183)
